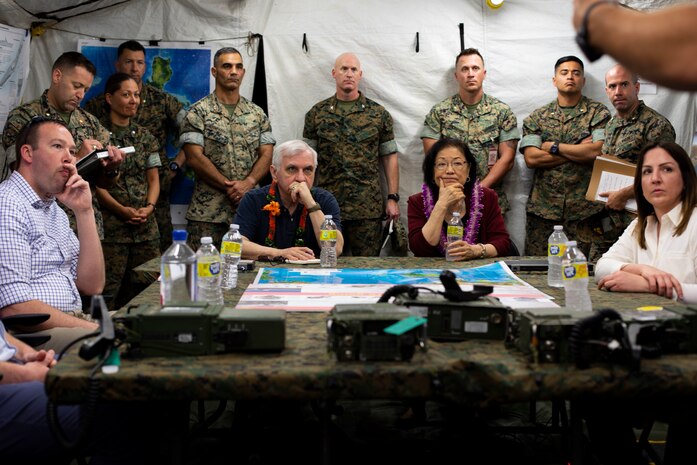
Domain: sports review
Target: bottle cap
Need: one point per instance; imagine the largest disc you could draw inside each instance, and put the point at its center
(235, 226)
(456, 213)
(558, 227)
(179, 235)
(327, 217)
(206, 240)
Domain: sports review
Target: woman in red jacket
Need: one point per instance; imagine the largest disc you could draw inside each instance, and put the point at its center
(451, 184)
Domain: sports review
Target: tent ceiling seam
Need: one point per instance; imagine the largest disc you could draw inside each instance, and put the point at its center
(251, 37)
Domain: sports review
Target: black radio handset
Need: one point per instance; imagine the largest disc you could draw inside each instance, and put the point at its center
(454, 293)
(105, 340)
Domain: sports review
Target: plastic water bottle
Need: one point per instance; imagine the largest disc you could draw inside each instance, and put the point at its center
(455, 232)
(178, 272)
(575, 272)
(555, 250)
(327, 239)
(208, 271)
(230, 251)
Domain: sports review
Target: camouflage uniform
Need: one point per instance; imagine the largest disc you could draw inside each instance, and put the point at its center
(491, 123)
(624, 138)
(558, 194)
(231, 144)
(160, 113)
(350, 141)
(127, 246)
(82, 125)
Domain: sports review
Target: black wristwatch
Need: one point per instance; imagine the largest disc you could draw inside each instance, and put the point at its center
(394, 197)
(591, 52)
(174, 166)
(554, 149)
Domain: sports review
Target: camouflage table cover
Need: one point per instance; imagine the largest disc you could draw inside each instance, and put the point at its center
(473, 372)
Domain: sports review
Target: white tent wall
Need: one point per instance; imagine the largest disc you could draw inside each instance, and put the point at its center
(520, 43)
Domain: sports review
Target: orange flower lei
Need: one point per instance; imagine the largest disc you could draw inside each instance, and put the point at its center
(274, 209)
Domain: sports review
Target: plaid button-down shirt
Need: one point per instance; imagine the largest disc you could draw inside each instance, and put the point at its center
(38, 250)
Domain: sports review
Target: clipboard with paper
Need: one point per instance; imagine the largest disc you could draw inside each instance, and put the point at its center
(611, 174)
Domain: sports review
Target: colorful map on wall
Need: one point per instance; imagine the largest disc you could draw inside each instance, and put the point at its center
(180, 69)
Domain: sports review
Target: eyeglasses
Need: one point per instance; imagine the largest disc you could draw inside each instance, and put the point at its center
(457, 165)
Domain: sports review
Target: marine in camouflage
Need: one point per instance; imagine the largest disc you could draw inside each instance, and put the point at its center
(82, 125)
(491, 123)
(230, 143)
(161, 114)
(126, 246)
(350, 141)
(625, 137)
(131, 188)
(559, 193)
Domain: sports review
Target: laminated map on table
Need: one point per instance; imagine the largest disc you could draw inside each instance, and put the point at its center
(319, 289)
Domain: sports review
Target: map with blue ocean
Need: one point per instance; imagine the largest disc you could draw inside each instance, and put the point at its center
(492, 274)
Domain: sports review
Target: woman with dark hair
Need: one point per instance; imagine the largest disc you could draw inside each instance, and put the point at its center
(657, 252)
(451, 185)
(128, 206)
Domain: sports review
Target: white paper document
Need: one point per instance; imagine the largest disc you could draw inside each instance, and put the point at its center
(610, 182)
(309, 261)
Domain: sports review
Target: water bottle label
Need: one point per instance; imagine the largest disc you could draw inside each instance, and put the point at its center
(231, 248)
(327, 235)
(208, 269)
(576, 271)
(455, 231)
(556, 250)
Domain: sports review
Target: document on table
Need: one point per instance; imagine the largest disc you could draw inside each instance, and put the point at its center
(309, 261)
